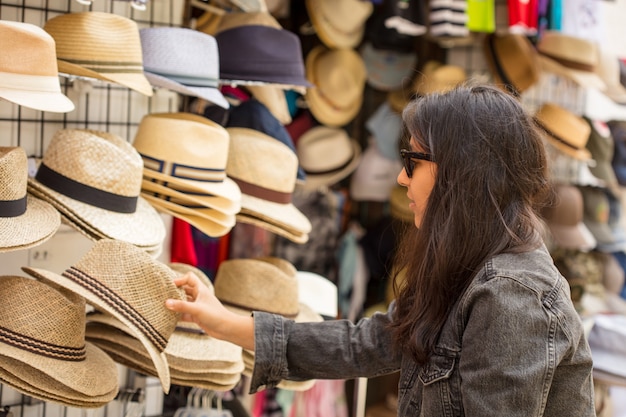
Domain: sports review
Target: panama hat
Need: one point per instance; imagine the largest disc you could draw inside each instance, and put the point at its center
(42, 329)
(327, 155)
(28, 63)
(122, 280)
(25, 221)
(339, 23)
(265, 170)
(96, 176)
(339, 76)
(182, 60)
(100, 45)
(512, 60)
(566, 131)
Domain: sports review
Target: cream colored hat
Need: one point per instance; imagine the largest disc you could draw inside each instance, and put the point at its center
(42, 338)
(25, 221)
(122, 280)
(609, 70)
(100, 45)
(96, 176)
(250, 217)
(566, 131)
(28, 64)
(339, 23)
(265, 170)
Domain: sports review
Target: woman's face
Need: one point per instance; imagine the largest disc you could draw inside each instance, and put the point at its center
(420, 184)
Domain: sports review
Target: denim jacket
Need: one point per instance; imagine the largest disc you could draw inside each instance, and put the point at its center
(513, 345)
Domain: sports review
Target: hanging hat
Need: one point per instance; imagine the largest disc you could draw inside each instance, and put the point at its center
(385, 126)
(609, 70)
(339, 23)
(375, 175)
(318, 292)
(596, 216)
(601, 145)
(566, 169)
(387, 69)
(436, 77)
(327, 155)
(100, 45)
(28, 65)
(182, 60)
(265, 170)
(339, 76)
(122, 280)
(250, 217)
(43, 340)
(96, 176)
(25, 221)
(564, 130)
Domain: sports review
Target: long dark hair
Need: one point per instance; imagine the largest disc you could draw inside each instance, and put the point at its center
(491, 178)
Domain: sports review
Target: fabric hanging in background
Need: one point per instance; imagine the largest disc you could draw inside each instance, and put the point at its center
(523, 17)
(183, 249)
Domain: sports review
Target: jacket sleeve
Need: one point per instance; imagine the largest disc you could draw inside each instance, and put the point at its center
(334, 349)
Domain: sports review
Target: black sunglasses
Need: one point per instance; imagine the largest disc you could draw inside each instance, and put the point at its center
(408, 157)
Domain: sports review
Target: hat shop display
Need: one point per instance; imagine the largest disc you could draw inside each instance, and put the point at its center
(25, 220)
(387, 69)
(93, 179)
(318, 292)
(184, 170)
(601, 145)
(339, 24)
(100, 45)
(28, 64)
(564, 130)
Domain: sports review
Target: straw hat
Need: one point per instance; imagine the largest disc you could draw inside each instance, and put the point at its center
(25, 221)
(182, 60)
(96, 176)
(609, 70)
(168, 192)
(339, 76)
(100, 45)
(339, 23)
(42, 329)
(28, 65)
(249, 217)
(512, 60)
(265, 170)
(327, 155)
(436, 77)
(318, 292)
(124, 281)
(566, 131)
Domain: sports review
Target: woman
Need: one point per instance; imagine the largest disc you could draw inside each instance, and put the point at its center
(483, 324)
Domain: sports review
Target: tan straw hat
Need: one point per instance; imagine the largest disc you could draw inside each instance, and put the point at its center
(28, 64)
(100, 45)
(42, 338)
(187, 197)
(339, 76)
(339, 23)
(265, 170)
(25, 221)
(96, 177)
(564, 130)
(122, 280)
(250, 217)
(437, 77)
(512, 60)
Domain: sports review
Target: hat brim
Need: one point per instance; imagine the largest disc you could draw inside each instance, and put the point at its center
(222, 219)
(582, 78)
(582, 154)
(286, 215)
(135, 81)
(315, 181)
(39, 100)
(211, 94)
(299, 238)
(39, 223)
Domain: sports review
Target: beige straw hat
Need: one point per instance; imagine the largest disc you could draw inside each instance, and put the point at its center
(100, 45)
(436, 77)
(96, 177)
(339, 76)
(122, 280)
(42, 328)
(25, 221)
(249, 217)
(563, 129)
(339, 23)
(265, 170)
(28, 64)
(512, 60)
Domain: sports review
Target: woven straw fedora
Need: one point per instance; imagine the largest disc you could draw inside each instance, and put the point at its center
(564, 130)
(249, 217)
(25, 221)
(42, 329)
(327, 155)
(265, 170)
(512, 60)
(190, 197)
(100, 45)
(339, 23)
(96, 177)
(28, 64)
(339, 76)
(182, 60)
(122, 280)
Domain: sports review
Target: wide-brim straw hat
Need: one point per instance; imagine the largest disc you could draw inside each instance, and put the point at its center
(25, 221)
(265, 170)
(339, 23)
(327, 155)
(30, 75)
(182, 60)
(512, 60)
(436, 77)
(565, 130)
(248, 359)
(97, 177)
(100, 45)
(248, 217)
(339, 76)
(52, 343)
(120, 279)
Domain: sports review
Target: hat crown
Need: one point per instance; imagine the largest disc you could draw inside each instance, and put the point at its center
(13, 173)
(27, 49)
(324, 148)
(340, 76)
(438, 78)
(345, 15)
(514, 57)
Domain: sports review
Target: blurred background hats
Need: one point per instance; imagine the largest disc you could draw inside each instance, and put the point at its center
(28, 64)
(319, 293)
(609, 70)
(565, 130)
(601, 145)
(387, 69)
(385, 126)
(339, 23)
(375, 175)
(436, 77)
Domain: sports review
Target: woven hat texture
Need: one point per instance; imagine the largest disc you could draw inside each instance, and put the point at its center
(25, 221)
(183, 196)
(565, 130)
(339, 23)
(28, 63)
(122, 280)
